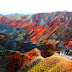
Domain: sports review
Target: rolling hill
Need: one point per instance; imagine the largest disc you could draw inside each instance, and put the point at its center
(14, 61)
(53, 64)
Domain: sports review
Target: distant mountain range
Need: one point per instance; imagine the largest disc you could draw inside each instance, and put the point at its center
(41, 28)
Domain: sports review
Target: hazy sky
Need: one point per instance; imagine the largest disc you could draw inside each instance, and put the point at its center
(34, 6)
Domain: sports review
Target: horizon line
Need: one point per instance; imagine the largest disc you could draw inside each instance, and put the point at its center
(33, 12)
